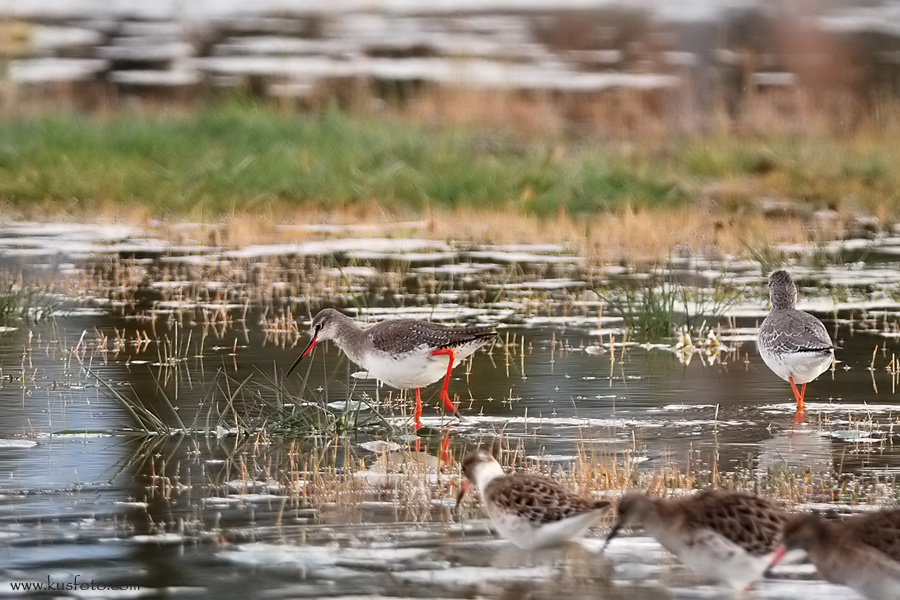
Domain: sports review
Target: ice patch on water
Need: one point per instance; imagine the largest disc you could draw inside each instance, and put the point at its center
(739, 334)
(772, 589)
(445, 312)
(466, 268)
(522, 257)
(81, 312)
(469, 576)
(380, 446)
(161, 538)
(551, 457)
(411, 257)
(626, 545)
(241, 485)
(250, 498)
(473, 421)
(854, 435)
(364, 272)
(318, 557)
(682, 407)
(834, 408)
(536, 248)
(571, 321)
(72, 231)
(17, 443)
(362, 375)
(346, 405)
(542, 284)
(340, 246)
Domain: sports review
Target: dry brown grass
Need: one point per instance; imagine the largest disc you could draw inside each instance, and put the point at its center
(634, 236)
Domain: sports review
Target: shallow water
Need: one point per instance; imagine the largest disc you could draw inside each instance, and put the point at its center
(212, 513)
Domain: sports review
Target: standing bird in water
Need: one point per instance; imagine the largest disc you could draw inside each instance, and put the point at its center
(731, 537)
(862, 552)
(403, 353)
(531, 511)
(794, 344)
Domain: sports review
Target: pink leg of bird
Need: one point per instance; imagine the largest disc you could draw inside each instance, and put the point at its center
(445, 397)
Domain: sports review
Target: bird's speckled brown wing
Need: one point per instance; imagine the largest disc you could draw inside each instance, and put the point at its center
(402, 336)
(880, 530)
(749, 521)
(539, 499)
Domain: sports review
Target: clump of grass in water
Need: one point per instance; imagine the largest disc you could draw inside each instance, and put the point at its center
(9, 306)
(23, 303)
(252, 406)
(655, 308)
(649, 314)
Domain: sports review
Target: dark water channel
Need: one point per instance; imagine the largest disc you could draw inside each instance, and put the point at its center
(269, 514)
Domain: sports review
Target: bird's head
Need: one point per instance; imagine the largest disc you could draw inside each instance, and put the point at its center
(478, 468)
(632, 509)
(782, 290)
(324, 327)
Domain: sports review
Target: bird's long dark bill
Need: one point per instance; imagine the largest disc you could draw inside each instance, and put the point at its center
(612, 534)
(463, 488)
(306, 351)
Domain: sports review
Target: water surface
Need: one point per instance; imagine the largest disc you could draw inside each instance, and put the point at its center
(205, 511)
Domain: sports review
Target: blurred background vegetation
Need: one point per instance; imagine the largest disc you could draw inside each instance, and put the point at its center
(762, 112)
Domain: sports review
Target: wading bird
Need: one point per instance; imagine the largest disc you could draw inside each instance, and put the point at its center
(862, 552)
(794, 344)
(403, 353)
(530, 511)
(728, 536)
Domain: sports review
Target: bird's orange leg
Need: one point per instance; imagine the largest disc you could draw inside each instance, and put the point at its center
(798, 395)
(417, 413)
(417, 418)
(445, 397)
(445, 449)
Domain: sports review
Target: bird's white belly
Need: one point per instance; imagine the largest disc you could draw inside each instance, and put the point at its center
(415, 370)
(882, 588)
(802, 367)
(523, 534)
(871, 573)
(714, 556)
